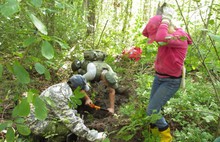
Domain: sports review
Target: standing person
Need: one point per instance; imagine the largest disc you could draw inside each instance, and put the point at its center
(101, 71)
(61, 118)
(172, 48)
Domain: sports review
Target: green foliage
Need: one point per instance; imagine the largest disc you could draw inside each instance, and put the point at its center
(40, 108)
(136, 111)
(38, 37)
(20, 72)
(10, 7)
(75, 99)
(10, 136)
(23, 129)
(38, 24)
(36, 3)
(187, 110)
(17, 124)
(47, 50)
(194, 134)
(106, 140)
(1, 70)
(22, 109)
(39, 68)
(6, 124)
(214, 37)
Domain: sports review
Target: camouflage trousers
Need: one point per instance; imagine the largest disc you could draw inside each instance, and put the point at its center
(52, 131)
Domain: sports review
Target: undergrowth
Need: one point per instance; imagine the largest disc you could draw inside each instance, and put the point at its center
(192, 113)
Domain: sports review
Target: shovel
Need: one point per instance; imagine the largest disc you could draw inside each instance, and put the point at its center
(97, 107)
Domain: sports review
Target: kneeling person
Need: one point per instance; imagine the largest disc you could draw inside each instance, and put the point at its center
(101, 71)
(61, 118)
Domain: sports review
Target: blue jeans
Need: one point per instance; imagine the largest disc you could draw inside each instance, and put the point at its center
(162, 90)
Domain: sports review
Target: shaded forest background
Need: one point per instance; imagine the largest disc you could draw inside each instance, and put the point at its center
(40, 39)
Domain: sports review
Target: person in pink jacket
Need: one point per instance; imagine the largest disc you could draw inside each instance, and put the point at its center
(172, 49)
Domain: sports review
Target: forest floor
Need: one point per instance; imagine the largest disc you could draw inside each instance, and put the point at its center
(100, 120)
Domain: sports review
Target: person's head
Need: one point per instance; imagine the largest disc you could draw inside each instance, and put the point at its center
(76, 64)
(78, 81)
(152, 27)
(110, 79)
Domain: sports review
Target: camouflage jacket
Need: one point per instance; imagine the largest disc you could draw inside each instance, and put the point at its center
(60, 112)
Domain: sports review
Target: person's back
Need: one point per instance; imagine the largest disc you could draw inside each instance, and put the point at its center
(94, 70)
(101, 71)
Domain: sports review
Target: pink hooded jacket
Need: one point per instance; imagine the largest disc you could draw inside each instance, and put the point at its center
(170, 57)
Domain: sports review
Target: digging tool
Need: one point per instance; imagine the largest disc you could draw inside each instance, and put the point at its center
(97, 107)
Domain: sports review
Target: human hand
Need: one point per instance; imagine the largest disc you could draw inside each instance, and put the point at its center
(101, 136)
(88, 101)
(111, 110)
(94, 135)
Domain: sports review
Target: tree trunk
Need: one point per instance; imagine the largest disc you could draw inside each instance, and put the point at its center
(91, 5)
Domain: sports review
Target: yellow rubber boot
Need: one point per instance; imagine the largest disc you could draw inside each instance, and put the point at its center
(165, 136)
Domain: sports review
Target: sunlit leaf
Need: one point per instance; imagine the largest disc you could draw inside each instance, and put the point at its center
(50, 102)
(23, 129)
(40, 108)
(209, 118)
(211, 22)
(10, 136)
(10, 7)
(47, 74)
(21, 74)
(30, 95)
(78, 94)
(36, 3)
(59, 5)
(23, 108)
(214, 37)
(19, 120)
(38, 24)
(15, 112)
(39, 68)
(29, 41)
(205, 30)
(78, 102)
(47, 50)
(5, 125)
(63, 45)
(1, 70)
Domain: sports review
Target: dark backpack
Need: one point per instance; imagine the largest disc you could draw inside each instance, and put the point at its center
(94, 55)
(89, 56)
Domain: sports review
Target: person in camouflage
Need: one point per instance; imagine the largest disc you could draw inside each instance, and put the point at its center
(61, 118)
(101, 71)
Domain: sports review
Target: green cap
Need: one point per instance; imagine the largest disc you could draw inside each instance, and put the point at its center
(112, 79)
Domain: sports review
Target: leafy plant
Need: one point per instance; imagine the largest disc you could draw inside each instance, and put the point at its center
(75, 99)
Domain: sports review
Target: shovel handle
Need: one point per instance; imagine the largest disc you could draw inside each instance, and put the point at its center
(95, 107)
